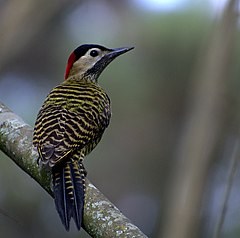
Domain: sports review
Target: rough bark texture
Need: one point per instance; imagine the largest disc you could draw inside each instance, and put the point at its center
(101, 217)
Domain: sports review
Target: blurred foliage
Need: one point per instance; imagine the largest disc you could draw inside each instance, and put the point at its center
(149, 89)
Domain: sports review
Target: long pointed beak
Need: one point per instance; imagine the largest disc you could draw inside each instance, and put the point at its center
(118, 51)
(107, 59)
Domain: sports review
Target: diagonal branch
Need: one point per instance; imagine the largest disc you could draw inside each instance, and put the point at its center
(101, 217)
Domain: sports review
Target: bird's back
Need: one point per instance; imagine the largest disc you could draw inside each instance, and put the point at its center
(72, 118)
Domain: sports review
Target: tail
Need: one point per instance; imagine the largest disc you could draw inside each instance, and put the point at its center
(69, 188)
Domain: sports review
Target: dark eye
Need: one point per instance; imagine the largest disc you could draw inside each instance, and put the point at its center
(93, 53)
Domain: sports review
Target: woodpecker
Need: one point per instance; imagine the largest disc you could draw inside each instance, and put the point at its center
(70, 124)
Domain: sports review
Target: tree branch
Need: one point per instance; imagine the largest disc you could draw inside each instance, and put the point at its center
(101, 217)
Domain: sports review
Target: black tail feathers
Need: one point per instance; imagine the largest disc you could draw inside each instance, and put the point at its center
(69, 187)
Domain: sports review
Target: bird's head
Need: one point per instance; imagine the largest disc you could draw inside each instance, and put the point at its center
(88, 61)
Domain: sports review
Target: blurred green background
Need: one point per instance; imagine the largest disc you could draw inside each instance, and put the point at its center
(149, 89)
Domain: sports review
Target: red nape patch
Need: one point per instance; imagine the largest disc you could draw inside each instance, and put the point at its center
(71, 60)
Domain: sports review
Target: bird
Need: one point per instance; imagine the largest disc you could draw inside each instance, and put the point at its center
(71, 123)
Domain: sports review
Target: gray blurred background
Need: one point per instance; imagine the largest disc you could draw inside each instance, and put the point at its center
(149, 89)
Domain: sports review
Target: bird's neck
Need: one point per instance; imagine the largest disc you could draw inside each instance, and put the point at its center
(80, 78)
(77, 73)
